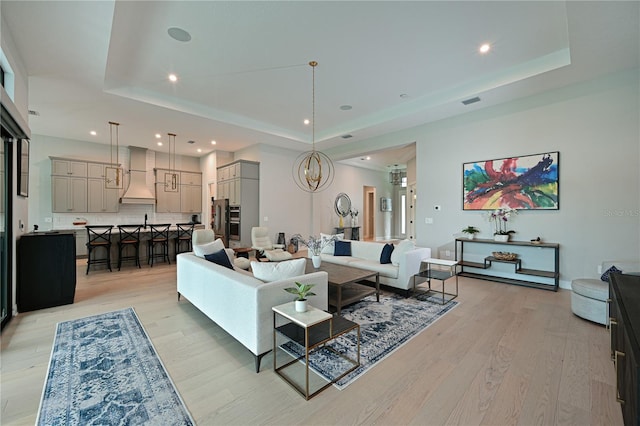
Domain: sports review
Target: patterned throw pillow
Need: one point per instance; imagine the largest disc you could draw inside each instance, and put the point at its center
(612, 270)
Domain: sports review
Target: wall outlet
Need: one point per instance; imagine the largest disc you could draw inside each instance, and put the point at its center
(266, 219)
(428, 220)
(600, 269)
(447, 253)
(47, 220)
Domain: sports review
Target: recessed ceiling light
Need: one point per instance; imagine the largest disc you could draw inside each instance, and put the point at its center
(213, 142)
(306, 122)
(199, 150)
(179, 34)
(485, 48)
(159, 143)
(346, 107)
(366, 158)
(93, 133)
(158, 135)
(173, 77)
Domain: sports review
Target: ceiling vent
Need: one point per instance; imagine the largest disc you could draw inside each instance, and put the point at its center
(34, 112)
(346, 136)
(471, 101)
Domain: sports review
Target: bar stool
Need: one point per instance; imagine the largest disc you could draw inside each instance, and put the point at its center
(98, 236)
(129, 237)
(159, 236)
(185, 230)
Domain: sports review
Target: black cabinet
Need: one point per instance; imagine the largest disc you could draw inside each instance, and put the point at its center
(624, 296)
(46, 270)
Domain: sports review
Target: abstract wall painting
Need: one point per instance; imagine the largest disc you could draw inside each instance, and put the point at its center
(525, 182)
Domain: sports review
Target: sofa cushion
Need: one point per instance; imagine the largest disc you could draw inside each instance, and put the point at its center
(342, 248)
(274, 271)
(329, 248)
(220, 258)
(366, 250)
(611, 270)
(208, 248)
(385, 269)
(403, 247)
(385, 256)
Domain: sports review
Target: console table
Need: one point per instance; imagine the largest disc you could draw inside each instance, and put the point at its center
(537, 265)
(353, 234)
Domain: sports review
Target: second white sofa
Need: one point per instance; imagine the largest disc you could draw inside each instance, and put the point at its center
(405, 261)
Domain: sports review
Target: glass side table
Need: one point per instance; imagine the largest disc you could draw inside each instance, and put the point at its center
(311, 330)
(444, 270)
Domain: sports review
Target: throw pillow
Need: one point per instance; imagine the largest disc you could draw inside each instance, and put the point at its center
(343, 248)
(330, 248)
(219, 258)
(612, 270)
(399, 251)
(207, 248)
(385, 256)
(274, 271)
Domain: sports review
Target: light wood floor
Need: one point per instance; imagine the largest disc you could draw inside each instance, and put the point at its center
(505, 355)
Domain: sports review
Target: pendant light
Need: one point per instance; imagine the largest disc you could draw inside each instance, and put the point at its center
(313, 170)
(171, 178)
(113, 172)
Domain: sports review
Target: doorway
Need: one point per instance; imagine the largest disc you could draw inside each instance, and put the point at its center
(369, 214)
(5, 228)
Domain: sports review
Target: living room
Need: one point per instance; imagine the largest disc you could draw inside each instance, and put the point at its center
(593, 124)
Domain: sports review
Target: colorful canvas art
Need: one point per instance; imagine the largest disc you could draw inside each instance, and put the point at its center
(527, 182)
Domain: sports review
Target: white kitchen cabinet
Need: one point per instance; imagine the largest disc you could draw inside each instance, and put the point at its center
(190, 178)
(166, 201)
(69, 194)
(239, 183)
(101, 199)
(61, 167)
(191, 198)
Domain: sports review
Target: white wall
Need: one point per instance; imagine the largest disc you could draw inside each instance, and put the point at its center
(595, 126)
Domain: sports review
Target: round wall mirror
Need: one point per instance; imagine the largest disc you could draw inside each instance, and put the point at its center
(343, 204)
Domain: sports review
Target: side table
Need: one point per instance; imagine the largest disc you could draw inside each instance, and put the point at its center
(311, 330)
(446, 269)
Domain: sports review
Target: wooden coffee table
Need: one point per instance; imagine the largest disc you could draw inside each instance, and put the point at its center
(343, 283)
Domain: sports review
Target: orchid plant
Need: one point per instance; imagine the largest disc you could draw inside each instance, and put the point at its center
(500, 217)
(314, 244)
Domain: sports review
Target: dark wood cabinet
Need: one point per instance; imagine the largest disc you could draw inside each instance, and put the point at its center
(624, 321)
(46, 270)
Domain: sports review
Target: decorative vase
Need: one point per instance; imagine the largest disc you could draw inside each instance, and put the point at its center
(340, 223)
(501, 238)
(301, 305)
(317, 260)
(471, 236)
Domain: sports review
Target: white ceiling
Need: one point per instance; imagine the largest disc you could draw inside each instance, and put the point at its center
(244, 77)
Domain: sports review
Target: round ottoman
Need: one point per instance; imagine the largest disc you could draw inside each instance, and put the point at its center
(589, 299)
(242, 262)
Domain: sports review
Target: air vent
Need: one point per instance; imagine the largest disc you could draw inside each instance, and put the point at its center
(34, 112)
(346, 136)
(471, 101)
(191, 142)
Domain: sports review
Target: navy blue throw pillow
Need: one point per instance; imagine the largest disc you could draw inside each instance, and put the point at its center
(385, 256)
(612, 270)
(220, 258)
(342, 248)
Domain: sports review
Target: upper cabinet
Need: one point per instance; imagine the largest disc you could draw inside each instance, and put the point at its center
(79, 187)
(180, 195)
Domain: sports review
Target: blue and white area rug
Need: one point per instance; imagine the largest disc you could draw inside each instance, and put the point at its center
(105, 371)
(384, 327)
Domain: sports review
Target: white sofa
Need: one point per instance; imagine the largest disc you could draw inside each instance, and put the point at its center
(366, 255)
(240, 303)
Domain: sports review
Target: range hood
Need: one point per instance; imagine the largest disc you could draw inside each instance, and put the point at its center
(138, 192)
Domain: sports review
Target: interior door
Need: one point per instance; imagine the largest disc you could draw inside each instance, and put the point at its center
(5, 229)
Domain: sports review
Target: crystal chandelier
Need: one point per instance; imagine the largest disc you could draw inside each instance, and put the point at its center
(313, 170)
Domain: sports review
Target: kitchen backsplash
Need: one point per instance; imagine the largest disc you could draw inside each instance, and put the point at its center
(128, 214)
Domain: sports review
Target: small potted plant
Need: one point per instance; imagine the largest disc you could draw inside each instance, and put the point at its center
(471, 231)
(302, 291)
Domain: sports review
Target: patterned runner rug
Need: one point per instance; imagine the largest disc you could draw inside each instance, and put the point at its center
(384, 327)
(104, 370)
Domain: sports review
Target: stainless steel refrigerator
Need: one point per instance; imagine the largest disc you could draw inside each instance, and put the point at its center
(220, 219)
